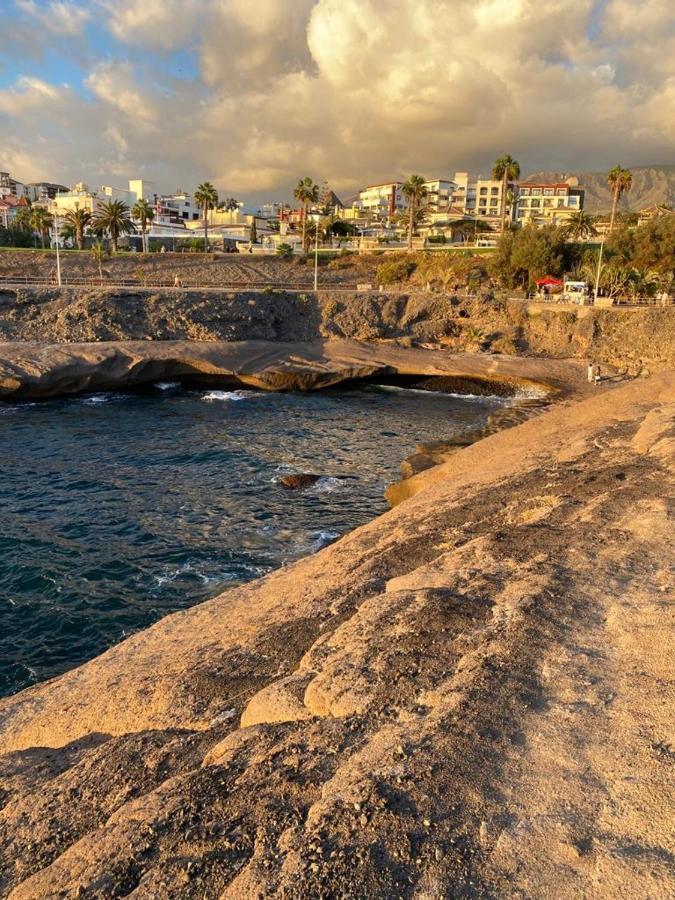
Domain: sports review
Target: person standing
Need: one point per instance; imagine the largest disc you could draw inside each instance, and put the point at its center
(591, 373)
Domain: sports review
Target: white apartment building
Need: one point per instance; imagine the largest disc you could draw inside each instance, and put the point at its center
(439, 194)
(481, 197)
(548, 204)
(382, 201)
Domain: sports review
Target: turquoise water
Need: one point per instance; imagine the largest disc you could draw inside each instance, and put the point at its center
(120, 508)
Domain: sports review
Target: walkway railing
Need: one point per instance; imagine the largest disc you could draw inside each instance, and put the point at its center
(17, 282)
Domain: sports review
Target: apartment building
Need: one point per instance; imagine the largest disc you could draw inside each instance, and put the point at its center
(382, 201)
(548, 204)
(481, 197)
(9, 185)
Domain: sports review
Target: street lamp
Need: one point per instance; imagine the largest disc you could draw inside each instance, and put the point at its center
(317, 220)
(58, 258)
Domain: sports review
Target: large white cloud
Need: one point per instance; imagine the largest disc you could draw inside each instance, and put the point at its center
(359, 90)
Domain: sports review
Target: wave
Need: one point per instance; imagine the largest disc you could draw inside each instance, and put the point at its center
(101, 398)
(480, 398)
(233, 395)
(167, 385)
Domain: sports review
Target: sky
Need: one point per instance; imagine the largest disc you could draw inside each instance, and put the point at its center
(254, 94)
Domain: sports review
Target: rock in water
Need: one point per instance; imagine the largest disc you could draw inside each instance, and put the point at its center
(298, 481)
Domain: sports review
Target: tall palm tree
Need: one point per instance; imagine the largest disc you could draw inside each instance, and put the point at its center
(113, 217)
(505, 169)
(620, 181)
(415, 191)
(306, 192)
(143, 213)
(207, 198)
(78, 219)
(580, 226)
(41, 220)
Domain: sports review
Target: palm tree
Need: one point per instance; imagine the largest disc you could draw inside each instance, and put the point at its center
(41, 220)
(207, 198)
(580, 226)
(415, 191)
(505, 169)
(98, 253)
(306, 192)
(620, 181)
(144, 213)
(113, 217)
(229, 205)
(78, 219)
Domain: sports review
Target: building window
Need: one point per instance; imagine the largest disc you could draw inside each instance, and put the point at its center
(536, 192)
(561, 192)
(536, 203)
(548, 192)
(494, 190)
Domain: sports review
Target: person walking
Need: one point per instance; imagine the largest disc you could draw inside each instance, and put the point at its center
(591, 373)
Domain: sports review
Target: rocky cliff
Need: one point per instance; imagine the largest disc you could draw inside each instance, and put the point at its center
(641, 339)
(467, 697)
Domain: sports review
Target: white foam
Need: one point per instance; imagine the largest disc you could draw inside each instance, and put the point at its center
(234, 395)
(167, 385)
(101, 398)
(326, 485)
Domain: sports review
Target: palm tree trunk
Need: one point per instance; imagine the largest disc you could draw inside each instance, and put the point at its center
(206, 229)
(615, 200)
(504, 177)
(304, 227)
(411, 213)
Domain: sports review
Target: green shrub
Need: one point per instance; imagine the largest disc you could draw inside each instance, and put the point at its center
(394, 272)
(285, 251)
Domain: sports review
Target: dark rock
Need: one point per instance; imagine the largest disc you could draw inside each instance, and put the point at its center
(298, 481)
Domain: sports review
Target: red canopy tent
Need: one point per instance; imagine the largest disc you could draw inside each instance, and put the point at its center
(550, 281)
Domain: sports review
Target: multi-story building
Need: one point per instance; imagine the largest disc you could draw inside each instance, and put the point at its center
(9, 185)
(548, 204)
(440, 193)
(43, 191)
(79, 197)
(176, 209)
(382, 201)
(481, 197)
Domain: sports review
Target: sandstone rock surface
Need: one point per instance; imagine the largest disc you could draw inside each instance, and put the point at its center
(34, 370)
(470, 696)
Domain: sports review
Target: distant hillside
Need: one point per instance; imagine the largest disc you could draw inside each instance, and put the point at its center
(651, 184)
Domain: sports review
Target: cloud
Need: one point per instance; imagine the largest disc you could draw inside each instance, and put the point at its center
(114, 83)
(360, 90)
(156, 24)
(58, 17)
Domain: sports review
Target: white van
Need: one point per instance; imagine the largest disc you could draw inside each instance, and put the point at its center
(576, 291)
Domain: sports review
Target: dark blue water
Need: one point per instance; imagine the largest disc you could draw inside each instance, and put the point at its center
(120, 508)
